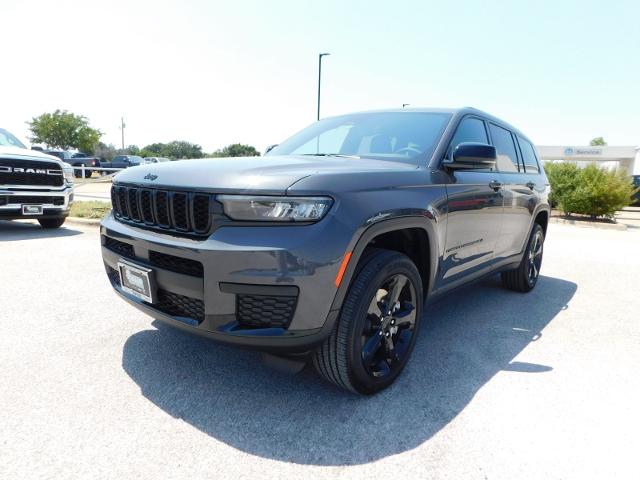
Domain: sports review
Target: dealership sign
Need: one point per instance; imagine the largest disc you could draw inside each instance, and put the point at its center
(582, 151)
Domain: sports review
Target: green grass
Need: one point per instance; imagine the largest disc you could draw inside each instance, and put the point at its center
(91, 210)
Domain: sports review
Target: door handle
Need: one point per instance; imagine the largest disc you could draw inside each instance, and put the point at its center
(495, 184)
(531, 185)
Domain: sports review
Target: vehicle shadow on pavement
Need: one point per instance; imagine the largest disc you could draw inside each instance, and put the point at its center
(466, 338)
(14, 231)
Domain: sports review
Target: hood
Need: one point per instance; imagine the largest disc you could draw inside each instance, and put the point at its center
(26, 154)
(267, 175)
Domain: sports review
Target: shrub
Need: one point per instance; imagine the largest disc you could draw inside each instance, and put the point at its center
(589, 191)
(563, 178)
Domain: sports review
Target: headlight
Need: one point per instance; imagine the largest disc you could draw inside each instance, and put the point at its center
(275, 209)
(68, 173)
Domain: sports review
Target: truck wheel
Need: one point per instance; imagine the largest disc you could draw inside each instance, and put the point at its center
(373, 338)
(51, 222)
(525, 277)
(87, 173)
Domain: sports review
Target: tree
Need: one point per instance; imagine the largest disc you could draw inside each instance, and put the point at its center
(598, 141)
(64, 130)
(105, 151)
(236, 150)
(181, 149)
(131, 150)
(154, 149)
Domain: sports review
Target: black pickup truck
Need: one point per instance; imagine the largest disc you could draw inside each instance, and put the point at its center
(122, 161)
(76, 160)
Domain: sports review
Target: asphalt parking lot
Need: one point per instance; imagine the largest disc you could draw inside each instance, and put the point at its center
(501, 385)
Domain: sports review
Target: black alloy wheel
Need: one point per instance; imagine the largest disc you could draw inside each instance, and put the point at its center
(525, 277)
(389, 326)
(374, 335)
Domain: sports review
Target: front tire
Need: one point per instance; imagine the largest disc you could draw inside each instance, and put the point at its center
(525, 277)
(374, 336)
(50, 223)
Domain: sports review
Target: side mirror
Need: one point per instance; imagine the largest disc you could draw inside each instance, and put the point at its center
(472, 156)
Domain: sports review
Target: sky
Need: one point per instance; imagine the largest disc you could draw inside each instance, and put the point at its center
(220, 72)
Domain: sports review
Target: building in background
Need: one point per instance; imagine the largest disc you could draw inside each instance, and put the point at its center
(624, 157)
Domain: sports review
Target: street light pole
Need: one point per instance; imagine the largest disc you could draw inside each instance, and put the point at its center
(122, 125)
(320, 79)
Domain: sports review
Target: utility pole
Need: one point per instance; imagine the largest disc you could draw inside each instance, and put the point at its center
(320, 79)
(122, 125)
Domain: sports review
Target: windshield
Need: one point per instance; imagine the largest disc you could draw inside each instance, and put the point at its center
(396, 136)
(8, 140)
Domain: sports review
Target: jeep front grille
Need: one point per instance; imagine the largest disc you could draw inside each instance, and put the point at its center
(184, 213)
(28, 174)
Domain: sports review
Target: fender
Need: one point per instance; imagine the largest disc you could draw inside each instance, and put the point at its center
(540, 208)
(426, 222)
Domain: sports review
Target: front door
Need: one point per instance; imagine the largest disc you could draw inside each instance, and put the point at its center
(474, 213)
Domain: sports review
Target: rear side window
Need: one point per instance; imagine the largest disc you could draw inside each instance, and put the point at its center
(528, 156)
(470, 130)
(505, 148)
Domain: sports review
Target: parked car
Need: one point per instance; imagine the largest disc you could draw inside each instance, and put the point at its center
(33, 184)
(123, 161)
(76, 160)
(327, 248)
(148, 160)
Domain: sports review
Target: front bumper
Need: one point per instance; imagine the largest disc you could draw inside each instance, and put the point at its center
(258, 261)
(56, 202)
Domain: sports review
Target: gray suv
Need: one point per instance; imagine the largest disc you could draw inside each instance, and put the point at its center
(328, 247)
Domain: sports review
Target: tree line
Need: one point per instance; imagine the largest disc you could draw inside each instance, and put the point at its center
(65, 130)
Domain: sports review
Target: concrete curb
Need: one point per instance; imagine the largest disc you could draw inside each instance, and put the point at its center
(588, 224)
(83, 221)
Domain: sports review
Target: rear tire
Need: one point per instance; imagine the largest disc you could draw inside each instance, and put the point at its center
(525, 277)
(369, 347)
(50, 223)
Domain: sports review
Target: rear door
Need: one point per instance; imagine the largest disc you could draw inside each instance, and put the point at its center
(520, 198)
(474, 211)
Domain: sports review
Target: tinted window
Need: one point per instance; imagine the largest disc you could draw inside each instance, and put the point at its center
(528, 156)
(397, 136)
(505, 148)
(470, 130)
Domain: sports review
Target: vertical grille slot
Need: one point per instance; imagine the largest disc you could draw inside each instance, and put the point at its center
(122, 202)
(201, 213)
(162, 209)
(134, 209)
(180, 211)
(146, 206)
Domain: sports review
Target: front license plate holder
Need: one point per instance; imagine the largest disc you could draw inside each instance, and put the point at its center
(32, 209)
(137, 280)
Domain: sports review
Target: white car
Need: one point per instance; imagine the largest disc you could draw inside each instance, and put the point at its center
(33, 184)
(148, 160)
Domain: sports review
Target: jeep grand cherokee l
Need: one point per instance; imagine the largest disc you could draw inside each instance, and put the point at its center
(32, 184)
(329, 245)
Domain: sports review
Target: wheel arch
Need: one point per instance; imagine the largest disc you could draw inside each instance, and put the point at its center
(398, 234)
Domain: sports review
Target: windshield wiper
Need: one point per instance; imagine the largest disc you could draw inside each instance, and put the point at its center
(331, 155)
